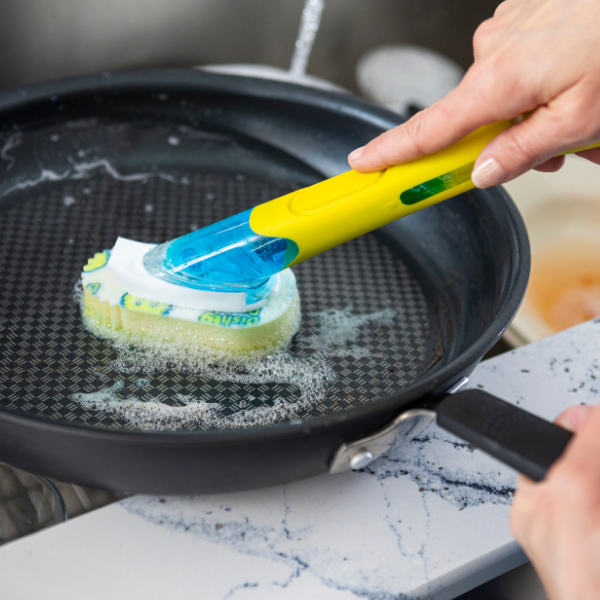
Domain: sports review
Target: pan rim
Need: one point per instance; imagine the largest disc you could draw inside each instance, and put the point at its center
(427, 386)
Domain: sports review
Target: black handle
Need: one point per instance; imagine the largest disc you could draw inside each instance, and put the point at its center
(514, 436)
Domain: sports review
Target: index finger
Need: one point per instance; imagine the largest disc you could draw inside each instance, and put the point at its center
(461, 112)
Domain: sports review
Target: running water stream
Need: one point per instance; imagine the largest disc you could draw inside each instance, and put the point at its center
(309, 25)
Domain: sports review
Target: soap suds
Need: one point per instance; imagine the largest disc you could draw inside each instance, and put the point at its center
(340, 329)
(85, 170)
(14, 141)
(337, 336)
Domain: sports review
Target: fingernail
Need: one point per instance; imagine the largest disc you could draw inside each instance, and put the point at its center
(487, 174)
(356, 153)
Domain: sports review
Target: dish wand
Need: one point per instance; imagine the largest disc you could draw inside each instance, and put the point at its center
(242, 252)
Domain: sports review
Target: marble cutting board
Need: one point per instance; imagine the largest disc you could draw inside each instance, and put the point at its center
(427, 521)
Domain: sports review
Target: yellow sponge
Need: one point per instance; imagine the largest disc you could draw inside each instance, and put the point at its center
(111, 313)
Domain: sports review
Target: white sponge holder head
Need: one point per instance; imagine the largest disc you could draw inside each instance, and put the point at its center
(127, 265)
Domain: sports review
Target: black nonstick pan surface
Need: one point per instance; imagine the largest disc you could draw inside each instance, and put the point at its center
(153, 155)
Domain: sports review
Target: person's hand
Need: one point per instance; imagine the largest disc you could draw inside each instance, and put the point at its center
(533, 55)
(557, 521)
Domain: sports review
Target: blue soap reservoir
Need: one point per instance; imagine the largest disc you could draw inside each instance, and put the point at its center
(226, 256)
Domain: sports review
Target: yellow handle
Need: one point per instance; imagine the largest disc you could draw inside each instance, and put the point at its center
(339, 209)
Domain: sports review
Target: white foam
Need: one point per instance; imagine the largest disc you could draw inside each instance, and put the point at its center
(311, 376)
(14, 141)
(340, 327)
(84, 170)
(338, 333)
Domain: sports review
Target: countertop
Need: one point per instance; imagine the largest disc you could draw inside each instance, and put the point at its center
(430, 520)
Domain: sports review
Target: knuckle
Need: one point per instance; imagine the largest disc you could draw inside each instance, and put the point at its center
(508, 7)
(510, 86)
(501, 8)
(410, 139)
(417, 131)
(521, 147)
(482, 33)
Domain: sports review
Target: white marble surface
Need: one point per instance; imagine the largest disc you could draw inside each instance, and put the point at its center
(427, 521)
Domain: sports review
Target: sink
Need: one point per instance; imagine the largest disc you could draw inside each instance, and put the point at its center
(43, 40)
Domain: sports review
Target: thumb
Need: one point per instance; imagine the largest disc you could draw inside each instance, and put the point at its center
(573, 418)
(564, 124)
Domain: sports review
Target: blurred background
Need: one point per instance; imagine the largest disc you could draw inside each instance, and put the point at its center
(42, 40)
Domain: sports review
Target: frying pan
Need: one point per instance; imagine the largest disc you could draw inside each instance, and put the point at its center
(150, 156)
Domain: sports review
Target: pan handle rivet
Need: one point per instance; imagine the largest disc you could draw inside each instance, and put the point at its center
(360, 459)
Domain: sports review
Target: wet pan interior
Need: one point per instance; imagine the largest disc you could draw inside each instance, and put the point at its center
(154, 162)
(49, 229)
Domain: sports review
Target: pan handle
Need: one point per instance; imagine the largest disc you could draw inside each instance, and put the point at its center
(510, 434)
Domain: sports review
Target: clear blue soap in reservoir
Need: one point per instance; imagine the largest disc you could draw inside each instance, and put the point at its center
(225, 257)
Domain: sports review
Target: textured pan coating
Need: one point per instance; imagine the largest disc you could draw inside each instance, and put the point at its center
(49, 356)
